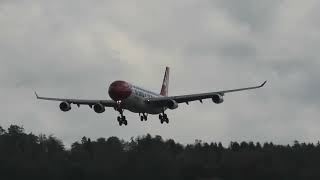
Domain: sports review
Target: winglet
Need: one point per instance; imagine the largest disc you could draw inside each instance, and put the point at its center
(36, 95)
(263, 84)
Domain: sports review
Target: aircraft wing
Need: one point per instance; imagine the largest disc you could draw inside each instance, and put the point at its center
(106, 103)
(197, 97)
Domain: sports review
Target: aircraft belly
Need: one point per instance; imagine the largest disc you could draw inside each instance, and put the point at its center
(136, 104)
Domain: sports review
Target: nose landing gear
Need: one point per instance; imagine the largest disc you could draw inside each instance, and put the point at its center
(163, 118)
(122, 119)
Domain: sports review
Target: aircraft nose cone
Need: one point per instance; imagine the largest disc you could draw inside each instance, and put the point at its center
(120, 90)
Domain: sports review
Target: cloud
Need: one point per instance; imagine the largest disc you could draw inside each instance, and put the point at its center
(77, 48)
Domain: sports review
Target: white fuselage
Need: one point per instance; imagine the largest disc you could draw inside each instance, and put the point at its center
(136, 102)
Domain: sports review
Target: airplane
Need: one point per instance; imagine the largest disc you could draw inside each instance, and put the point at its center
(126, 96)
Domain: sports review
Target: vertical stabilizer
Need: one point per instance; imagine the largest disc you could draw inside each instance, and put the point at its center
(165, 84)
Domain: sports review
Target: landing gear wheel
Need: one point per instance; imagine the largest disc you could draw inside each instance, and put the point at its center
(125, 122)
(143, 117)
(163, 118)
(120, 121)
(167, 120)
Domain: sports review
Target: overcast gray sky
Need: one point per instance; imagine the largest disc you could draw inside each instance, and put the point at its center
(76, 48)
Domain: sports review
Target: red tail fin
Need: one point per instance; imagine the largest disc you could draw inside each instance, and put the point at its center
(165, 84)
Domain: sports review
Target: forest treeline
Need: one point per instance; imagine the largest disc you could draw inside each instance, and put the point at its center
(28, 156)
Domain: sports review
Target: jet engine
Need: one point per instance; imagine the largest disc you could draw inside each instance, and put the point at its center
(218, 99)
(65, 106)
(172, 104)
(99, 108)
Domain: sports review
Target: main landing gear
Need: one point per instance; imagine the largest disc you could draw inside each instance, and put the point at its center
(122, 119)
(163, 118)
(143, 117)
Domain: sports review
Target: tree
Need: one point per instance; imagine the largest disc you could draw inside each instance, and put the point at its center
(101, 140)
(251, 146)
(15, 130)
(54, 145)
(220, 147)
(26, 156)
(2, 131)
(84, 140)
(234, 146)
(244, 146)
(114, 144)
(258, 146)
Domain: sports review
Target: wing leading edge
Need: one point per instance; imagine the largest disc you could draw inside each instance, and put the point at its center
(106, 103)
(198, 97)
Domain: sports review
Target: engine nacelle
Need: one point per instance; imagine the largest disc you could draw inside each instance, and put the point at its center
(172, 104)
(65, 106)
(218, 99)
(98, 108)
